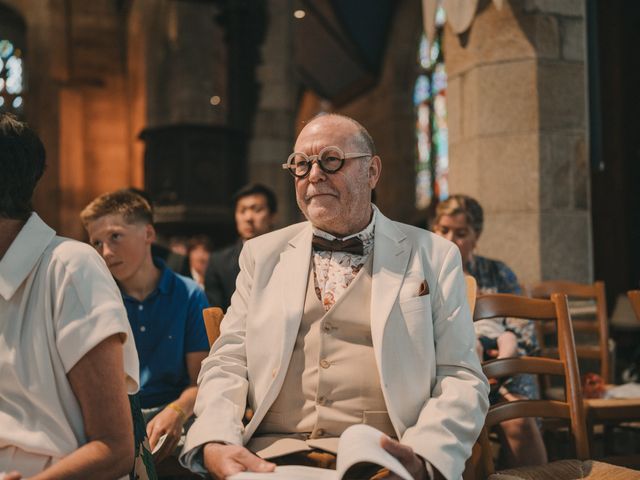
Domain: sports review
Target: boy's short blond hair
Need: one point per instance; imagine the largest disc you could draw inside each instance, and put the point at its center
(133, 207)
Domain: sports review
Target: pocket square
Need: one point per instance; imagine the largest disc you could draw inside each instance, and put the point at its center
(424, 289)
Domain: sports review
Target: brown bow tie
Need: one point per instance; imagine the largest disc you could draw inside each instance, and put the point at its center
(353, 245)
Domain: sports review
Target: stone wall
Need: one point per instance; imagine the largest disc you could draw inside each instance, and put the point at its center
(518, 133)
(77, 101)
(273, 130)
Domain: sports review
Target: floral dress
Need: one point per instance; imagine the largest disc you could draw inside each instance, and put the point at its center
(493, 276)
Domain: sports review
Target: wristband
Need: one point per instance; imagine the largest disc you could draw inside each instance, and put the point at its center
(175, 407)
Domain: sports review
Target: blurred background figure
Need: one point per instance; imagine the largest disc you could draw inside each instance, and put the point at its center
(179, 245)
(199, 253)
(164, 310)
(255, 210)
(460, 219)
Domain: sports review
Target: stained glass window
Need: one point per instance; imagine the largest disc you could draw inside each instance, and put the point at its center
(430, 103)
(11, 78)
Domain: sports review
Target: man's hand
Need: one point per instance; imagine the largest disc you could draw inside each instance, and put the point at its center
(225, 460)
(412, 462)
(167, 421)
(12, 476)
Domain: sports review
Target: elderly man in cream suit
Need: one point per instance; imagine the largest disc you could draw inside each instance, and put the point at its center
(347, 318)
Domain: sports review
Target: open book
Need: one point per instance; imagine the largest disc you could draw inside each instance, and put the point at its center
(358, 444)
(159, 444)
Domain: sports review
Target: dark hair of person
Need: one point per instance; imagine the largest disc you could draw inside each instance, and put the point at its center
(22, 163)
(257, 189)
(133, 207)
(200, 241)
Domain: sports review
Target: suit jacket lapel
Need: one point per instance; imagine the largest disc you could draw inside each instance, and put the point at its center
(293, 274)
(390, 258)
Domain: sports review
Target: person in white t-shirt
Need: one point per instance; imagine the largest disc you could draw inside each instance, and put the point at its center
(67, 357)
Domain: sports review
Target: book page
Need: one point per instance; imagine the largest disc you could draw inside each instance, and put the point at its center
(159, 444)
(289, 472)
(358, 444)
(361, 443)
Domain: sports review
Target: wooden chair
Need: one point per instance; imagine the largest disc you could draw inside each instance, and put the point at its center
(598, 411)
(634, 298)
(566, 366)
(212, 318)
(586, 319)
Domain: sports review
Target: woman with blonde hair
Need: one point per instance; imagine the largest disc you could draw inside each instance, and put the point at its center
(460, 219)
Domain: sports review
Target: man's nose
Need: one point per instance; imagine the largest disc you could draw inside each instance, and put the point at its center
(316, 173)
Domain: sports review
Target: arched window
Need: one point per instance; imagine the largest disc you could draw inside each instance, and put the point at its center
(12, 75)
(430, 102)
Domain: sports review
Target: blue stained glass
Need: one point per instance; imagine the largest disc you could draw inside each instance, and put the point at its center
(421, 91)
(441, 17)
(14, 65)
(424, 148)
(11, 77)
(14, 85)
(443, 146)
(423, 52)
(443, 187)
(439, 78)
(429, 97)
(6, 48)
(434, 52)
(14, 75)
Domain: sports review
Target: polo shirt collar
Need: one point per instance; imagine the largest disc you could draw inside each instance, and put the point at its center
(23, 254)
(164, 285)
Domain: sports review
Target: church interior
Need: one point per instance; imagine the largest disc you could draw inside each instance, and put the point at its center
(529, 106)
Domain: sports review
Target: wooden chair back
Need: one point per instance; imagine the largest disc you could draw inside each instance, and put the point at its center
(472, 291)
(212, 319)
(594, 322)
(566, 366)
(634, 298)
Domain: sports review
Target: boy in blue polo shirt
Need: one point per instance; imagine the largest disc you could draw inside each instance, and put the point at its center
(164, 310)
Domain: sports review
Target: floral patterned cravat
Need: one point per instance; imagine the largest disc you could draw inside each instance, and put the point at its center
(333, 271)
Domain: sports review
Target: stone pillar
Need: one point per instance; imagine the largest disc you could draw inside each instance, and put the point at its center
(518, 131)
(273, 130)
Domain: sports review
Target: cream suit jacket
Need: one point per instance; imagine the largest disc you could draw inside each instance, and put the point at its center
(432, 382)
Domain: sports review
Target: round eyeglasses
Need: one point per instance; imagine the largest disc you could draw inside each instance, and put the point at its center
(330, 160)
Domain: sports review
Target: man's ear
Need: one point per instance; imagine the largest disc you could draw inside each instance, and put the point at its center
(149, 233)
(375, 168)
